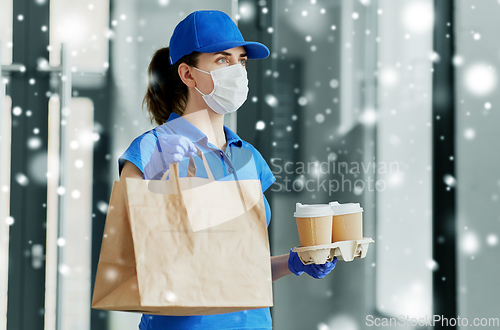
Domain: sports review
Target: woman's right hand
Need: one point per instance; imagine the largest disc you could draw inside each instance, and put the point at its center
(296, 266)
(172, 148)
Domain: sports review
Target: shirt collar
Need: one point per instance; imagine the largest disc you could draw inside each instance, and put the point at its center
(232, 137)
(184, 127)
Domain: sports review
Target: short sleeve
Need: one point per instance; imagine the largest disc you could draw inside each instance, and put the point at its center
(139, 152)
(267, 177)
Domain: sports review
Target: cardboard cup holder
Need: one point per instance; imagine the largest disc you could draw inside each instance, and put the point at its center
(343, 250)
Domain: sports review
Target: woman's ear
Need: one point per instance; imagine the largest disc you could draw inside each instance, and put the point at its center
(186, 76)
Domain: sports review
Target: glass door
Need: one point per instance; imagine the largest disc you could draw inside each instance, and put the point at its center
(27, 137)
(54, 60)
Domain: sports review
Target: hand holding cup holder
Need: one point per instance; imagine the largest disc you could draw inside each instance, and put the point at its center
(343, 250)
(328, 231)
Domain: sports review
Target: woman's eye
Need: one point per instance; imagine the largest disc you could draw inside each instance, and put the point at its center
(225, 60)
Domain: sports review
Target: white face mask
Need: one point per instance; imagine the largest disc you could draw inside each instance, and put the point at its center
(230, 89)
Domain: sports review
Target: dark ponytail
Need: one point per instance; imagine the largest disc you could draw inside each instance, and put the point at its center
(166, 93)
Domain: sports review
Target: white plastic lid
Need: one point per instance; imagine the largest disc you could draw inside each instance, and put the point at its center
(312, 210)
(347, 208)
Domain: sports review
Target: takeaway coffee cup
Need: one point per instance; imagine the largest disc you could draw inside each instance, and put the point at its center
(347, 221)
(314, 223)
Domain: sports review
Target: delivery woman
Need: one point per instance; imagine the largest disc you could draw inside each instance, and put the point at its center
(193, 83)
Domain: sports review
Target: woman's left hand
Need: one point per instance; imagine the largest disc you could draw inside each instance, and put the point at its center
(317, 271)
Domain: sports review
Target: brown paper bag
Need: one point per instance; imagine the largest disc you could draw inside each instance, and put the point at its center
(209, 202)
(179, 252)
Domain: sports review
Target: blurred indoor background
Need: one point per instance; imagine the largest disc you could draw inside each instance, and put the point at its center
(397, 96)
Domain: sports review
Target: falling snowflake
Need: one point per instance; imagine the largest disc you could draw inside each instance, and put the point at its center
(470, 133)
(22, 179)
(492, 239)
(432, 265)
(480, 79)
(9, 221)
(75, 194)
(74, 144)
(34, 143)
(334, 83)
(368, 117)
(389, 77)
(458, 60)
(260, 125)
(64, 269)
(170, 296)
(433, 56)
(271, 100)
(470, 243)
(112, 274)
(322, 326)
(102, 206)
(17, 111)
(418, 17)
(449, 180)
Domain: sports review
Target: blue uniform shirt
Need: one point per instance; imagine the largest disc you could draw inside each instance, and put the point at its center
(240, 161)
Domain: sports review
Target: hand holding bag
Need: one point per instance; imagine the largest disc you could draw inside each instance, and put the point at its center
(184, 246)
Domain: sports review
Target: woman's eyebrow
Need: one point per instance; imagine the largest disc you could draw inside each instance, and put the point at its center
(229, 54)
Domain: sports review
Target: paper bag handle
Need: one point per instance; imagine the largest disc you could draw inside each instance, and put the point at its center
(191, 167)
(192, 172)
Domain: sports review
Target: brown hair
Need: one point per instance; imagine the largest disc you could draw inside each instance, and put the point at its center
(166, 92)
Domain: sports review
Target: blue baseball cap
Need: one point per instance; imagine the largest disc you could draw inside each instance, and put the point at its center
(210, 31)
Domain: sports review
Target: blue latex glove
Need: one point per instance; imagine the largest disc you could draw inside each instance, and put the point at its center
(170, 148)
(317, 271)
